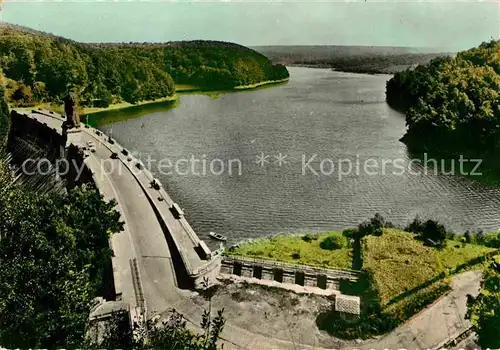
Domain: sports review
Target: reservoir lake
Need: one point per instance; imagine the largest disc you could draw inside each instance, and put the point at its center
(272, 160)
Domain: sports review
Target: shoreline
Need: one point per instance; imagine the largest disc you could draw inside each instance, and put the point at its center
(94, 110)
(262, 83)
(343, 70)
(184, 90)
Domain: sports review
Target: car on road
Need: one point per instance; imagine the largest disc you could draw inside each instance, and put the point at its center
(156, 184)
(114, 155)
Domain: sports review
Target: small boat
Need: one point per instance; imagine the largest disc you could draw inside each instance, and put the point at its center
(218, 236)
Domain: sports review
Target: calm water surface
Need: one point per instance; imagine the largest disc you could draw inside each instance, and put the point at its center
(319, 112)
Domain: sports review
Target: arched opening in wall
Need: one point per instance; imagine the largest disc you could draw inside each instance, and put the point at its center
(237, 269)
(257, 271)
(321, 283)
(300, 277)
(278, 275)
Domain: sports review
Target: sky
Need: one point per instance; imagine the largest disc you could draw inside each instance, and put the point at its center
(454, 25)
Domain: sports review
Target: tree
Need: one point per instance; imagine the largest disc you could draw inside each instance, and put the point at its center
(434, 231)
(59, 245)
(333, 243)
(484, 310)
(22, 95)
(374, 226)
(467, 237)
(429, 230)
(4, 117)
(170, 334)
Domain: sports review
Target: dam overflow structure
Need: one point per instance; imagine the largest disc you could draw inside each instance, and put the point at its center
(328, 279)
(158, 255)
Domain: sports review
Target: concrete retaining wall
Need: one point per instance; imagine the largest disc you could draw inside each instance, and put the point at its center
(287, 273)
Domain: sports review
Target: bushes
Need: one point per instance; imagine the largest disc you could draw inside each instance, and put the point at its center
(491, 240)
(310, 237)
(333, 243)
(429, 230)
(484, 310)
(434, 231)
(374, 226)
(349, 233)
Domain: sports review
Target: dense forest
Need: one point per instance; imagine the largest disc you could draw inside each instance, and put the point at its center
(40, 67)
(452, 105)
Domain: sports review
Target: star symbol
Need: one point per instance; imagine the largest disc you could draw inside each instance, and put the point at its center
(262, 159)
(280, 159)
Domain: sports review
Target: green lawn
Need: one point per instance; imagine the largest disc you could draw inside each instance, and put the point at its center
(294, 249)
(399, 263)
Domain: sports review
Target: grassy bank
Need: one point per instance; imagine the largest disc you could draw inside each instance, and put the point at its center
(123, 105)
(109, 116)
(301, 249)
(183, 88)
(396, 260)
(399, 264)
(263, 83)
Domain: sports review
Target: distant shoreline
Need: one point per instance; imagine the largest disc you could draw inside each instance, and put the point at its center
(367, 71)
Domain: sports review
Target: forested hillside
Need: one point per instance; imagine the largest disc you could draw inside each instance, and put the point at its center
(41, 68)
(452, 104)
